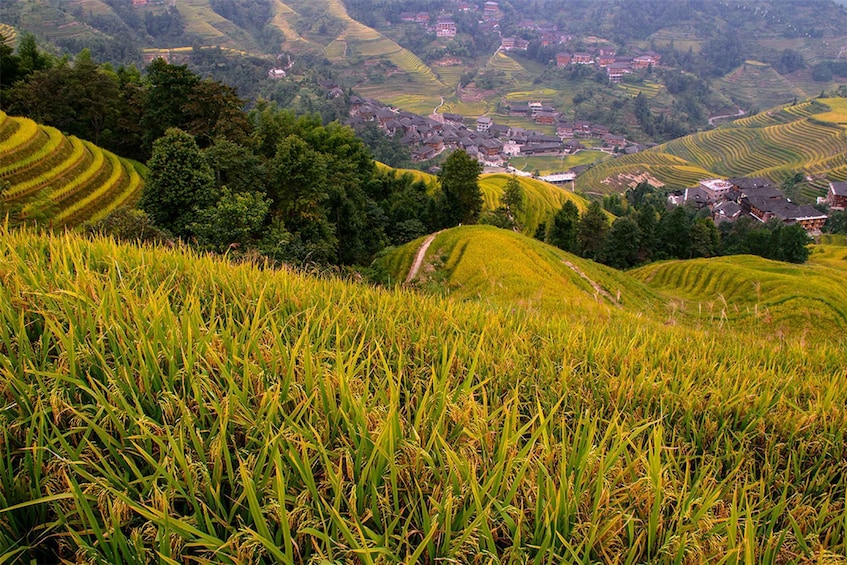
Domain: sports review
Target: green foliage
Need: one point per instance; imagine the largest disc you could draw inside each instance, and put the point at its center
(623, 243)
(180, 183)
(459, 184)
(591, 232)
(563, 230)
(236, 221)
(130, 225)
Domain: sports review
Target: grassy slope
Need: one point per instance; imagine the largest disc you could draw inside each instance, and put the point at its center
(497, 266)
(747, 293)
(775, 144)
(542, 199)
(154, 401)
(59, 179)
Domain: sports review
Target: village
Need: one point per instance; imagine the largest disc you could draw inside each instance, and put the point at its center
(757, 197)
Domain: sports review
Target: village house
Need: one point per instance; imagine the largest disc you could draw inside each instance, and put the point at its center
(507, 43)
(422, 18)
(604, 61)
(565, 130)
(615, 141)
(518, 109)
(617, 70)
(483, 123)
(408, 17)
(276, 74)
(717, 189)
(582, 59)
(445, 27)
(836, 196)
(491, 11)
(545, 118)
(563, 59)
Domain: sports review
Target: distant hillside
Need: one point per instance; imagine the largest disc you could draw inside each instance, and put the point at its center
(61, 180)
(746, 293)
(543, 199)
(161, 403)
(808, 137)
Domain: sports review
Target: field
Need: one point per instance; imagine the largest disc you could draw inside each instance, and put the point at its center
(551, 164)
(61, 180)
(774, 144)
(163, 406)
(542, 199)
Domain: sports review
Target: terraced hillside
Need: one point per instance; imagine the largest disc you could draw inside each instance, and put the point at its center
(501, 267)
(542, 198)
(60, 179)
(167, 406)
(774, 144)
(745, 290)
(745, 293)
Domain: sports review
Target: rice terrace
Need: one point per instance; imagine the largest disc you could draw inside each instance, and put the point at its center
(423, 282)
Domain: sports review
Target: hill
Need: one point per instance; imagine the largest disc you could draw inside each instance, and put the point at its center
(63, 180)
(806, 137)
(160, 404)
(746, 293)
(542, 198)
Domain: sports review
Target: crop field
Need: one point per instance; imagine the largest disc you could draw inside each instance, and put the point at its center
(9, 34)
(160, 405)
(606, 177)
(502, 62)
(70, 180)
(837, 113)
(775, 144)
(543, 199)
(551, 164)
(650, 89)
(757, 83)
(786, 299)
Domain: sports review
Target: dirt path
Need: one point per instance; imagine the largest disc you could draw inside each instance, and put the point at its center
(419, 257)
(597, 288)
(713, 119)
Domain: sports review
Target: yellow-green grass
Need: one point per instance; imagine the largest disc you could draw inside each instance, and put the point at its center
(63, 180)
(336, 50)
(610, 176)
(466, 108)
(782, 298)
(502, 62)
(758, 85)
(837, 113)
(650, 89)
(160, 403)
(450, 75)
(501, 267)
(422, 104)
(551, 163)
(9, 34)
(532, 95)
(426, 178)
(543, 199)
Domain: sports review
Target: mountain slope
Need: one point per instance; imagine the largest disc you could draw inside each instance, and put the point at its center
(160, 403)
(774, 144)
(62, 180)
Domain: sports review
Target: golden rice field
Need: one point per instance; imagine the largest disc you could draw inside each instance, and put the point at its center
(502, 62)
(58, 179)
(9, 34)
(160, 405)
(775, 144)
(542, 199)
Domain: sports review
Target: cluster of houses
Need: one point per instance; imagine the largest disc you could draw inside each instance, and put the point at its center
(444, 26)
(616, 66)
(729, 199)
(492, 143)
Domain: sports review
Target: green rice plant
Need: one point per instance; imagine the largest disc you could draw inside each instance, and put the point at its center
(25, 133)
(160, 405)
(48, 170)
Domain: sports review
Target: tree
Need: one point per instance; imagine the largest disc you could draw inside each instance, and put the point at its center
(180, 183)
(591, 231)
(704, 238)
(237, 218)
(674, 233)
(620, 249)
(460, 188)
(513, 200)
(169, 88)
(563, 229)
